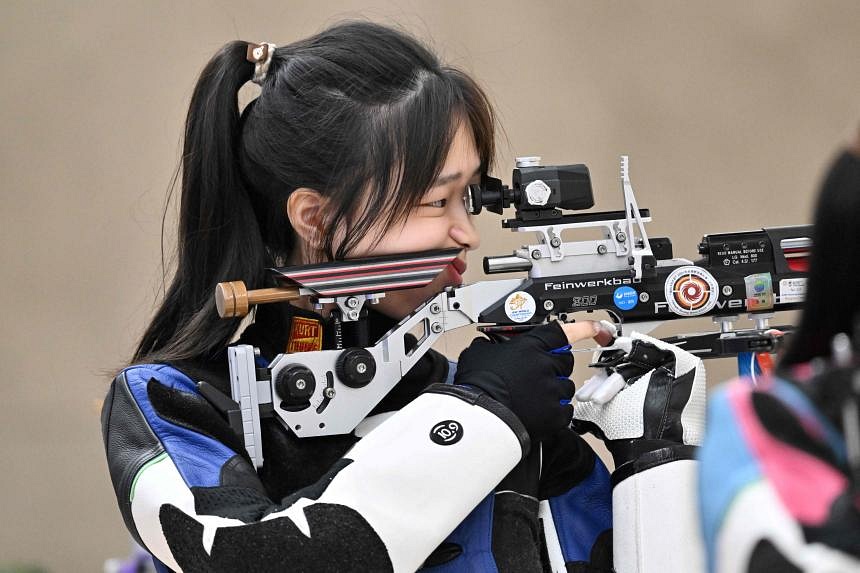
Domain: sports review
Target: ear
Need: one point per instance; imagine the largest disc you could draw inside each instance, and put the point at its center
(305, 212)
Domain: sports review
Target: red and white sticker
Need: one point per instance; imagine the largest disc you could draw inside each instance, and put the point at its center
(690, 291)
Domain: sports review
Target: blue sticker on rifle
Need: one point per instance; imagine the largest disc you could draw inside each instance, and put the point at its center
(625, 298)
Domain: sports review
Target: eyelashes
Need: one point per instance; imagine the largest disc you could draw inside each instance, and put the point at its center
(438, 204)
(442, 203)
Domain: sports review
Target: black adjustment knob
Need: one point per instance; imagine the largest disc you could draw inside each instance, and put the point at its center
(295, 385)
(355, 367)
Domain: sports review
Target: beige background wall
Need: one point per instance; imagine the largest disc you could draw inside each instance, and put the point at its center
(729, 111)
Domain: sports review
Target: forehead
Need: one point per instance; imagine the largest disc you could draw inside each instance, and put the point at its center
(463, 154)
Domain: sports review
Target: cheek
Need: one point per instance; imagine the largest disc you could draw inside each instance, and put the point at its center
(417, 234)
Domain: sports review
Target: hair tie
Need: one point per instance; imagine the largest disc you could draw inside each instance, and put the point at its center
(261, 56)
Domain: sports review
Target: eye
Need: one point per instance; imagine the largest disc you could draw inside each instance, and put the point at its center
(438, 204)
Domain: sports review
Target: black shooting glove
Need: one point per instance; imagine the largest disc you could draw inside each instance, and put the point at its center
(525, 375)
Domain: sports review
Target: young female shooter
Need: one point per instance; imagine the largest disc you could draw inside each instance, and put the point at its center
(360, 143)
(780, 482)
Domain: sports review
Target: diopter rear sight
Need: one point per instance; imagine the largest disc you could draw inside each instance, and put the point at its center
(538, 193)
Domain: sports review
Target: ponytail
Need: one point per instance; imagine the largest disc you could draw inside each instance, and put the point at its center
(219, 238)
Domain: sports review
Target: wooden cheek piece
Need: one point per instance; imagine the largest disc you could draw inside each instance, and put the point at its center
(233, 299)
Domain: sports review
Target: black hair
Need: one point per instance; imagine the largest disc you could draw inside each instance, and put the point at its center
(832, 304)
(360, 112)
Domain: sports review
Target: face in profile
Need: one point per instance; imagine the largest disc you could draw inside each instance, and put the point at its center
(440, 221)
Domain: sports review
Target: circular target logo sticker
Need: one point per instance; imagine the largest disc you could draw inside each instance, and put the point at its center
(690, 291)
(520, 306)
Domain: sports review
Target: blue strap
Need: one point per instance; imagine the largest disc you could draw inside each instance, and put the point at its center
(748, 365)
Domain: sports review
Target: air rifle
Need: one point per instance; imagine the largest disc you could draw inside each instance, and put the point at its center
(632, 277)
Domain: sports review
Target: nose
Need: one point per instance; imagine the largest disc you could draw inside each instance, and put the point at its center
(464, 232)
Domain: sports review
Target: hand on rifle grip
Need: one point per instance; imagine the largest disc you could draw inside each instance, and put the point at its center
(528, 374)
(647, 394)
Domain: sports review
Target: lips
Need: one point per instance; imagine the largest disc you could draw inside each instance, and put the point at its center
(459, 265)
(453, 275)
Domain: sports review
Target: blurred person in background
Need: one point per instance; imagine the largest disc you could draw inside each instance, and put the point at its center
(780, 465)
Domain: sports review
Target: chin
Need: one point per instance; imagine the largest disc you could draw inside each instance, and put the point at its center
(401, 303)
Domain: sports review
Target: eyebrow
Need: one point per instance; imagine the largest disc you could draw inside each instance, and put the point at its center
(445, 179)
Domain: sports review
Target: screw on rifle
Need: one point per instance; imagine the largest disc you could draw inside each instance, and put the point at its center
(601, 249)
(361, 367)
(536, 254)
(436, 327)
(548, 305)
(621, 237)
(329, 393)
(301, 384)
(644, 297)
(352, 302)
(555, 242)
(353, 314)
(435, 308)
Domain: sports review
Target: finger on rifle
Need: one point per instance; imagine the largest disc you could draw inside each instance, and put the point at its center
(604, 336)
(576, 331)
